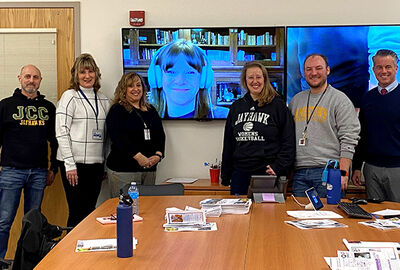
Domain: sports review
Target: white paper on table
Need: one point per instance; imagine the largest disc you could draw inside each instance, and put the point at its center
(361, 264)
(350, 244)
(182, 180)
(387, 212)
(315, 224)
(389, 247)
(300, 214)
(99, 245)
(209, 226)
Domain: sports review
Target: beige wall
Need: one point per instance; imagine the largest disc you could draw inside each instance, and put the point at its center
(191, 143)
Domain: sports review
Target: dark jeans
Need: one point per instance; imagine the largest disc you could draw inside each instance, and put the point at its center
(82, 197)
(12, 181)
(304, 179)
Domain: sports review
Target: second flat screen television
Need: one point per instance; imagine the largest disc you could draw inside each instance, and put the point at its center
(349, 50)
(194, 73)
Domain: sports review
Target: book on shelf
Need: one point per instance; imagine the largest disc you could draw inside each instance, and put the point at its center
(252, 40)
(146, 53)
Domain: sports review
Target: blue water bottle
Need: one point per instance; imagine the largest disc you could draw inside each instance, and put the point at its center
(124, 228)
(333, 182)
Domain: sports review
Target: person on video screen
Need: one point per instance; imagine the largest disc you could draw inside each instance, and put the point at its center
(180, 77)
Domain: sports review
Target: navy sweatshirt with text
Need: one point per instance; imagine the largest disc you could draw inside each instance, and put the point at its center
(258, 136)
(26, 125)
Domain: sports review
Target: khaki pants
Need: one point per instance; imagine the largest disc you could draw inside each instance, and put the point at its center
(117, 180)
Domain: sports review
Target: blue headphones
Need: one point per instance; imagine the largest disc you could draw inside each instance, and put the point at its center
(154, 72)
(330, 164)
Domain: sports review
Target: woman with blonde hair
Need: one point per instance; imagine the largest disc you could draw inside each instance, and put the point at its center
(259, 133)
(136, 133)
(80, 124)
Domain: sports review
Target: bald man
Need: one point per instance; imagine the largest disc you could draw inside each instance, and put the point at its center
(27, 123)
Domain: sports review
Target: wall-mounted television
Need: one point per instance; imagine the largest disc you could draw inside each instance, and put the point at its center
(349, 50)
(194, 73)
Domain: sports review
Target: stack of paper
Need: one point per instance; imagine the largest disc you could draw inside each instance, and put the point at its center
(190, 219)
(383, 224)
(182, 180)
(228, 206)
(366, 256)
(316, 224)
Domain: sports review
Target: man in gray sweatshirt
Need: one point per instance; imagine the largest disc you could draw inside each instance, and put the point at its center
(327, 128)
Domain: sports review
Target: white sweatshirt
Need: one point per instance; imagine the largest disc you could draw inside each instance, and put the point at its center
(75, 125)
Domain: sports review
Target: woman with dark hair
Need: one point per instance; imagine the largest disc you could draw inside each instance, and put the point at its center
(259, 133)
(181, 77)
(136, 133)
(80, 123)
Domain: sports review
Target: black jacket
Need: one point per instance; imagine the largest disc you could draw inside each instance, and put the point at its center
(26, 125)
(258, 136)
(126, 131)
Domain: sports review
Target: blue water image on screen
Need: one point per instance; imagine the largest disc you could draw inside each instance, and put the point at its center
(349, 50)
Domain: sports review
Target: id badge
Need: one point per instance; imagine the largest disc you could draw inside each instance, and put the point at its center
(147, 134)
(302, 142)
(97, 134)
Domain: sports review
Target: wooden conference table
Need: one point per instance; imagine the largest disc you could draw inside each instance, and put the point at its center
(259, 240)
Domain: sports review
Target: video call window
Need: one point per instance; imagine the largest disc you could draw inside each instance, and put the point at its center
(194, 73)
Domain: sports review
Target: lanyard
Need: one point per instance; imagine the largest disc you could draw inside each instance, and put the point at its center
(96, 111)
(140, 116)
(309, 119)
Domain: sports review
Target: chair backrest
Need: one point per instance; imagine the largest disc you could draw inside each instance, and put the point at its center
(35, 240)
(158, 190)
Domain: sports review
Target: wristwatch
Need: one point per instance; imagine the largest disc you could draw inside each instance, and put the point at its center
(158, 155)
(344, 173)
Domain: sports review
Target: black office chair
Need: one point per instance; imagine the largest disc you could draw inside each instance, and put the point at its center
(158, 190)
(36, 240)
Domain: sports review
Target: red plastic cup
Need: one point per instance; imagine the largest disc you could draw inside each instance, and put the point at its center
(214, 175)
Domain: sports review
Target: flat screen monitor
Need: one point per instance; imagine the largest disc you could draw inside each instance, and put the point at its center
(194, 73)
(349, 50)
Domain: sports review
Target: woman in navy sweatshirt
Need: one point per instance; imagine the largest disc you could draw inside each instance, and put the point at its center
(259, 133)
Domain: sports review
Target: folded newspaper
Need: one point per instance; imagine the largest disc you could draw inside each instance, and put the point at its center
(228, 206)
